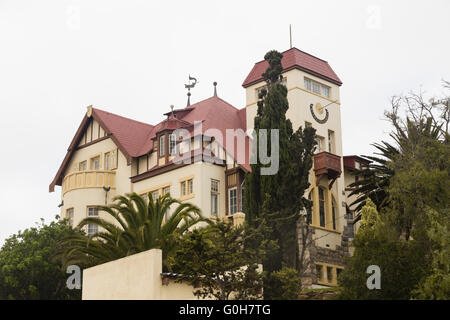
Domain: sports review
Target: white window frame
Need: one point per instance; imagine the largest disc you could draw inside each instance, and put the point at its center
(172, 144)
(95, 163)
(190, 183)
(215, 185)
(107, 161)
(70, 215)
(155, 195)
(230, 205)
(183, 187)
(317, 87)
(92, 228)
(162, 145)
(83, 166)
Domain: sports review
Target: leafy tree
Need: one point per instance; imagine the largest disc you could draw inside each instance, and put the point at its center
(424, 120)
(27, 270)
(409, 239)
(284, 283)
(216, 260)
(437, 284)
(277, 200)
(402, 263)
(134, 225)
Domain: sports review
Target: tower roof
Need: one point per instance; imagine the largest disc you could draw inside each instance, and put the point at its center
(295, 59)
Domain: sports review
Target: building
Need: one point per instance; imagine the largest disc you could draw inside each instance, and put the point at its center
(112, 155)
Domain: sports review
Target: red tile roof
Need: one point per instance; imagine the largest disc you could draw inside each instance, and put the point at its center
(295, 58)
(130, 134)
(135, 138)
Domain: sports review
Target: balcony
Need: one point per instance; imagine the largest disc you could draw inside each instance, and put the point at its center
(327, 164)
(88, 179)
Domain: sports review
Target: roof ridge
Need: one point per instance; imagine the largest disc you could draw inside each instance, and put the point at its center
(210, 98)
(119, 116)
(309, 54)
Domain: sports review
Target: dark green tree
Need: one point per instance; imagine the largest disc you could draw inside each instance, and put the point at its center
(402, 263)
(424, 120)
(276, 200)
(27, 270)
(409, 238)
(217, 260)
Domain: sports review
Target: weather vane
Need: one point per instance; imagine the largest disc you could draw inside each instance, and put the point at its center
(189, 86)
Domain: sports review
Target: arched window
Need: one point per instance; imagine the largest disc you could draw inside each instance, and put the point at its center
(322, 207)
(309, 211)
(333, 212)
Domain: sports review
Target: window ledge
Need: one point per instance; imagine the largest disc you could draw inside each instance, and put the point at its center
(187, 197)
(325, 229)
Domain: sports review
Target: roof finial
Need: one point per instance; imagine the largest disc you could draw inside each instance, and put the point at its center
(171, 111)
(215, 88)
(189, 99)
(189, 86)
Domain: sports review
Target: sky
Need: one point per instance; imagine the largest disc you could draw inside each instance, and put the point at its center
(134, 57)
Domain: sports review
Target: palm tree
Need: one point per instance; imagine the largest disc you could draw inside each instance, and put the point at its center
(137, 225)
(375, 177)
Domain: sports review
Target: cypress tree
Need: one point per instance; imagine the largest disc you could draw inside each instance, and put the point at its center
(276, 201)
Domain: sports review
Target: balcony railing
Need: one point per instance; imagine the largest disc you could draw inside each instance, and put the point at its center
(88, 179)
(328, 164)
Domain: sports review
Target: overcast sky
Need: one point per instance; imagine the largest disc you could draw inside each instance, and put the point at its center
(133, 58)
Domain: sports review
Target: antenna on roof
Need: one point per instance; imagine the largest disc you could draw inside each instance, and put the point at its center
(290, 35)
(189, 86)
(215, 88)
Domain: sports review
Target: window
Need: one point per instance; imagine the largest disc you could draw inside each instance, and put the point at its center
(92, 212)
(322, 207)
(331, 141)
(242, 199)
(338, 273)
(232, 200)
(187, 187)
(107, 161)
(166, 190)
(162, 145)
(326, 91)
(309, 210)
(260, 89)
(308, 85)
(214, 197)
(95, 163)
(317, 87)
(320, 144)
(333, 213)
(92, 228)
(319, 272)
(183, 188)
(172, 144)
(191, 186)
(155, 195)
(329, 274)
(113, 160)
(83, 166)
(69, 216)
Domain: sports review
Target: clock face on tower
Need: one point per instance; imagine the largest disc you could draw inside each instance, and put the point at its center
(317, 112)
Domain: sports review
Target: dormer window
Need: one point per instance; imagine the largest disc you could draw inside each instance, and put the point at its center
(172, 144)
(162, 145)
